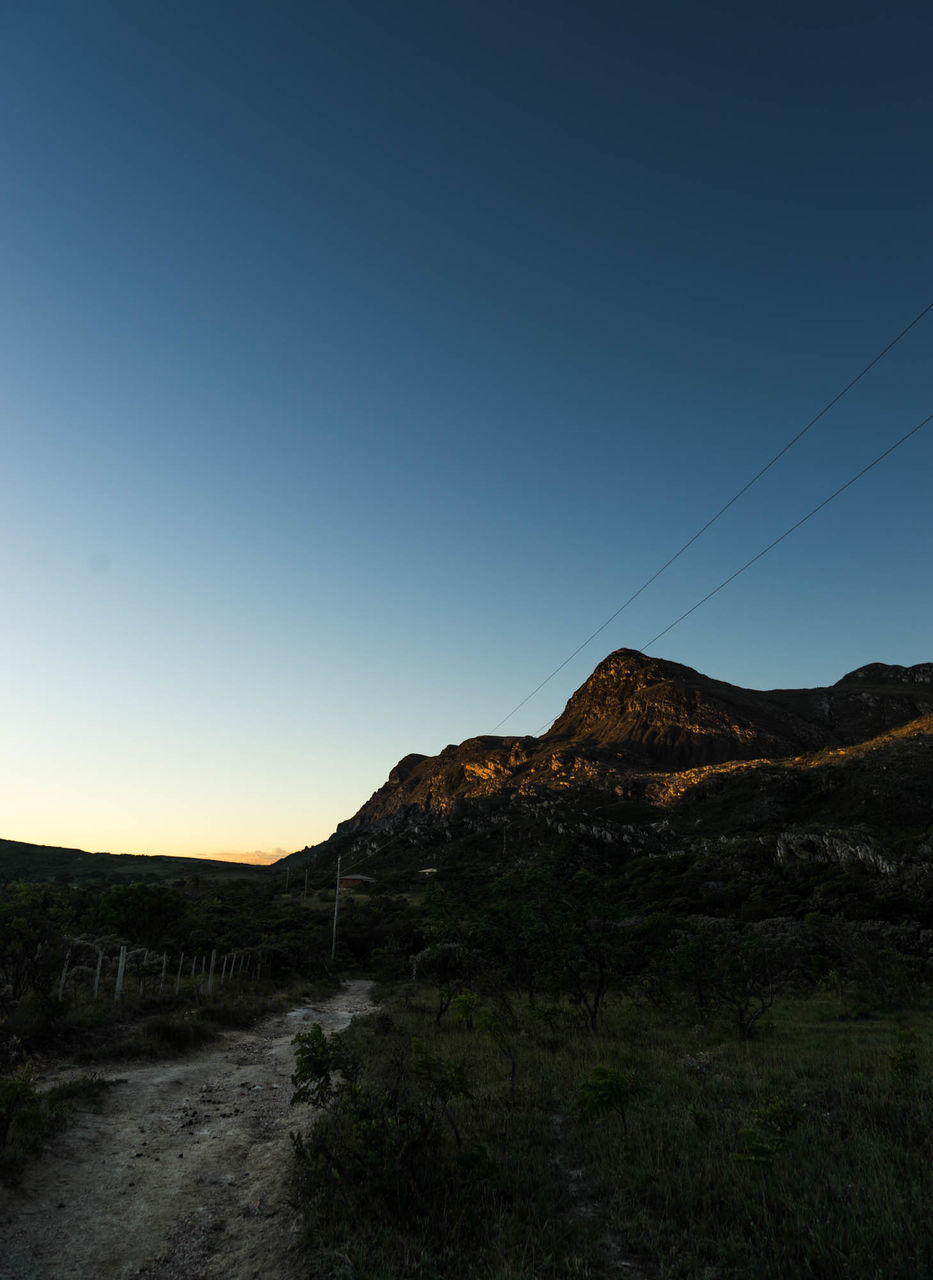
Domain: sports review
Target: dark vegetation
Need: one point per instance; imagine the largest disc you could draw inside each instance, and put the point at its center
(683, 1050)
(672, 1054)
(525, 1145)
(58, 942)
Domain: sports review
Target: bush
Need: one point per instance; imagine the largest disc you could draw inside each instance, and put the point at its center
(22, 1119)
(27, 1116)
(384, 1140)
(159, 1038)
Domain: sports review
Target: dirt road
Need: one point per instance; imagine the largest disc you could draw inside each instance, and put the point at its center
(183, 1175)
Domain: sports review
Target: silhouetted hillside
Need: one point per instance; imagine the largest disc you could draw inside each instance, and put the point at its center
(42, 862)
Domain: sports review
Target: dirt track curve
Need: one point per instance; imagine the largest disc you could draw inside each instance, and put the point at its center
(183, 1175)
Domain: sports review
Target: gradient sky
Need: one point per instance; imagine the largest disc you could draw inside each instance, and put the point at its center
(357, 360)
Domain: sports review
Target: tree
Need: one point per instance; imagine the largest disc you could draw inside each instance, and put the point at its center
(31, 939)
(146, 913)
(739, 969)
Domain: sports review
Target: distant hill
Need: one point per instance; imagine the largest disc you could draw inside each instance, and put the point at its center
(41, 862)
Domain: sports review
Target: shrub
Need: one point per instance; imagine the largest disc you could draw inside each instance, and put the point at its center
(386, 1138)
(22, 1118)
(28, 1115)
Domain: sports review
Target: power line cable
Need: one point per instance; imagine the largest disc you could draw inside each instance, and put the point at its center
(787, 532)
(372, 853)
(771, 545)
(731, 578)
(721, 512)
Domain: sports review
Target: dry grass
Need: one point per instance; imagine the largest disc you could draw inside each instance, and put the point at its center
(801, 1153)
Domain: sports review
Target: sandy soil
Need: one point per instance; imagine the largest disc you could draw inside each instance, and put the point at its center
(185, 1173)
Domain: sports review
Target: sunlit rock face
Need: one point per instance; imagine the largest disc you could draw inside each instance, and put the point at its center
(637, 714)
(673, 717)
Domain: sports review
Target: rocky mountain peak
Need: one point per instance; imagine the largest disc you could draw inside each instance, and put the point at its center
(627, 678)
(638, 714)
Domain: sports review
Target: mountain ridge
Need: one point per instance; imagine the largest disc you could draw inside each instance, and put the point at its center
(636, 715)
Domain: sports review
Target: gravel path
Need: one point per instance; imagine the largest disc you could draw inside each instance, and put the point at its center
(183, 1175)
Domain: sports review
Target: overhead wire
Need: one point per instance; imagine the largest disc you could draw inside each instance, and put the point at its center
(786, 534)
(747, 565)
(372, 853)
(721, 512)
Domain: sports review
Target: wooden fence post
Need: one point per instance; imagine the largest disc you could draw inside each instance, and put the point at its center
(181, 961)
(210, 976)
(164, 967)
(120, 968)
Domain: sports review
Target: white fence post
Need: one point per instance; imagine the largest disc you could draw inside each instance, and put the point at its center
(61, 982)
(100, 965)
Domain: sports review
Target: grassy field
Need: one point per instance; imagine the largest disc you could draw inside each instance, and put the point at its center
(514, 1143)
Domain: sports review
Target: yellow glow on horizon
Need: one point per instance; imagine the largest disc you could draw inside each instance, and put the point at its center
(69, 839)
(256, 857)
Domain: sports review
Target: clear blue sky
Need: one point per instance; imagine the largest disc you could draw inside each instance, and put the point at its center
(358, 359)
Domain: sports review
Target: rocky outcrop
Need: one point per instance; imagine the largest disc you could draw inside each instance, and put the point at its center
(841, 849)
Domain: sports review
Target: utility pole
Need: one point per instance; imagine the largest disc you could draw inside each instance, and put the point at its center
(333, 949)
